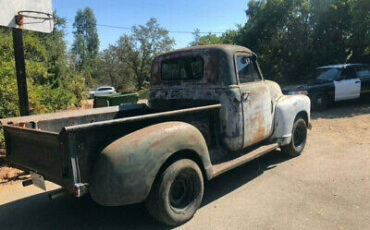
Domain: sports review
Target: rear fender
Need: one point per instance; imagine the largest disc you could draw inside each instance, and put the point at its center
(126, 169)
(287, 108)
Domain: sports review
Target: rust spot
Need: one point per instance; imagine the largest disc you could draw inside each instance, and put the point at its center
(261, 132)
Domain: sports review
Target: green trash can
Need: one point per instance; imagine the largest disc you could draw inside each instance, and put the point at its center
(115, 99)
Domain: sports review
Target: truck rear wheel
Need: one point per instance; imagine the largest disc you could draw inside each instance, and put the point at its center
(177, 193)
(298, 140)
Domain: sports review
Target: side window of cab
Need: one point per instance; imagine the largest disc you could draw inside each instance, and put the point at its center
(246, 68)
(363, 72)
(348, 73)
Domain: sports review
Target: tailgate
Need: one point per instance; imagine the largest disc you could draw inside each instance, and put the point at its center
(36, 150)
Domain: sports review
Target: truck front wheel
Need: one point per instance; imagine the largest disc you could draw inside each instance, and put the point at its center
(177, 193)
(298, 140)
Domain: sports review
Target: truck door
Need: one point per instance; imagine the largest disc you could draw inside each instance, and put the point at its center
(363, 73)
(255, 99)
(349, 85)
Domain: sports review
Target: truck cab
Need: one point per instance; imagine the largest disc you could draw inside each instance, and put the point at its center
(252, 109)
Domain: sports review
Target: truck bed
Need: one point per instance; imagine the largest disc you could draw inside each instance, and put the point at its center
(63, 146)
(55, 122)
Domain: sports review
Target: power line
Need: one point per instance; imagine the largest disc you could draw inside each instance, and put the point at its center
(170, 31)
(114, 27)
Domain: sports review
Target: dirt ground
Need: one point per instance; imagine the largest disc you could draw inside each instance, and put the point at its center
(327, 187)
(8, 174)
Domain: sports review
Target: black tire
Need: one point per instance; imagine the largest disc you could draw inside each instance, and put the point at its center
(177, 193)
(320, 102)
(298, 140)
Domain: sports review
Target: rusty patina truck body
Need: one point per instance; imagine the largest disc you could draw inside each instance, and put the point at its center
(209, 111)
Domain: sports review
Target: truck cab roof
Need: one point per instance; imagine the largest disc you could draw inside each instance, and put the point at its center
(231, 49)
(217, 62)
(340, 66)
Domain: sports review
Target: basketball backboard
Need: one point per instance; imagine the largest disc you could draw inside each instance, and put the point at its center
(35, 15)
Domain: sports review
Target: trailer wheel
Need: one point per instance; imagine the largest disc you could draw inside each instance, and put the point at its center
(177, 193)
(298, 140)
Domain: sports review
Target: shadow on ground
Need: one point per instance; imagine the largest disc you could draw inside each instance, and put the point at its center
(344, 109)
(38, 212)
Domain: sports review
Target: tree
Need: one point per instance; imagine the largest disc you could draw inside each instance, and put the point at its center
(210, 39)
(52, 85)
(55, 47)
(114, 68)
(229, 37)
(292, 37)
(109, 64)
(85, 47)
(128, 62)
(196, 35)
(148, 41)
(359, 40)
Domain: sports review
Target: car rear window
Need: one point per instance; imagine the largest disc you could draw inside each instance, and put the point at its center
(190, 68)
(327, 74)
(104, 89)
(363, 72)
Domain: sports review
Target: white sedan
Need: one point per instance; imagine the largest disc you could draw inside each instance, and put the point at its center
(103, 91)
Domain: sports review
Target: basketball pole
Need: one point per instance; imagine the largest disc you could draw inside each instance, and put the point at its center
(20, 67)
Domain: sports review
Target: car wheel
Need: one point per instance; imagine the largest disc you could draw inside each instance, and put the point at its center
(298, 140)
(177, 193)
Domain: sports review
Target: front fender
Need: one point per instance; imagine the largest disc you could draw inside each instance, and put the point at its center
(125, 170)
(287, 108)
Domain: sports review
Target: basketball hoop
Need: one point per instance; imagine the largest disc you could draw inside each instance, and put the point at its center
(35, 16)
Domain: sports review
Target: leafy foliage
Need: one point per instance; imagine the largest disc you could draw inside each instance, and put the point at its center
(85, 48)
(149, 41)
(127, 64)
(115, 65)
(210, 39)
(144, 93)
(52, 85)
(196, 35)
(293, 37)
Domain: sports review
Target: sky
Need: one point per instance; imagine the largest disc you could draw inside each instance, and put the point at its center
(173, 15)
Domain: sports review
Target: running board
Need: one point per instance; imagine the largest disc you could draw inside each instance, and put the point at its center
(220, 168)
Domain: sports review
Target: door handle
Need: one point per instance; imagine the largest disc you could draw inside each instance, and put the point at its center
(245, 96)
(356, 82)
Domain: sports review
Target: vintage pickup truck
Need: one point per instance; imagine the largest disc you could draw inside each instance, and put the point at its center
(209, 111)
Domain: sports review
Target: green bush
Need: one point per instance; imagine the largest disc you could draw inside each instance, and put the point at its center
(2, 141)
(144, 93)
(52, 85)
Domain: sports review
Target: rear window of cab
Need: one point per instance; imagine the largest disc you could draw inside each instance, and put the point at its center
(186, 68)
